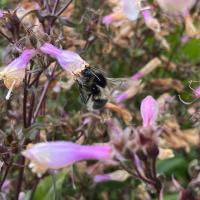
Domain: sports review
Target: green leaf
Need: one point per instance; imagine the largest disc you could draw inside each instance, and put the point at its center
(191, 50)
(27, 195)
(46, 191)
(170, 196)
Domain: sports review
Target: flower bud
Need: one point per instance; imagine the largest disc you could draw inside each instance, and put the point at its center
(149, 111)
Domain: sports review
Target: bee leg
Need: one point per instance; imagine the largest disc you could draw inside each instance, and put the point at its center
(83, 96)
(87, 99)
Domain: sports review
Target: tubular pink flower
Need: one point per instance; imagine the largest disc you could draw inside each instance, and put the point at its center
(181, 7)
(149, 111)
(56, 155)
(22, 61)
(13, 74)
(68, 60)
(127, 9)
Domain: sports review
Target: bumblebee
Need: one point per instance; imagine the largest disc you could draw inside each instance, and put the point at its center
(91, 84)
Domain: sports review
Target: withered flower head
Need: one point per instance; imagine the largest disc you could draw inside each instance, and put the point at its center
(13, 74)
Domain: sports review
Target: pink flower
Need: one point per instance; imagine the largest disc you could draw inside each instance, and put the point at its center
(6, 186)
(1, 13)
(181, 7)
(68, 60)
(133, 88)
(137, 76)
(13, 74)
(176, 6)
(113, 17)
(134, 85)
(130, 9)
(197, 92)
(149, 111)
(56, 155)
(22, 61)
(150, 21)
(126, 9)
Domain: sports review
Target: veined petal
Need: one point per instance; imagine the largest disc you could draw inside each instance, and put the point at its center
(149, 111)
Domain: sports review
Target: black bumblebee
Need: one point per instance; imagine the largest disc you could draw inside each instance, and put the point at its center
(91, 85)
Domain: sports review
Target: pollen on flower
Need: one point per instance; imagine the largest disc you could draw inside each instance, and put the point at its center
(37, 168)
(36, 163)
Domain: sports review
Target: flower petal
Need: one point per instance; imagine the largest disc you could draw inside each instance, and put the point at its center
(68, 60)
(149, 111)
(130, 9)
(56, 155)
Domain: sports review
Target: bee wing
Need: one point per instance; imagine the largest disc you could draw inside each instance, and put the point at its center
(83, 94)
(118, 83)
(117, 86)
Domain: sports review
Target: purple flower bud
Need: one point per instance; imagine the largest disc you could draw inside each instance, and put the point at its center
(56, 155)
(149, 111)
(101, 178)
(119, 175)
(68, 60)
